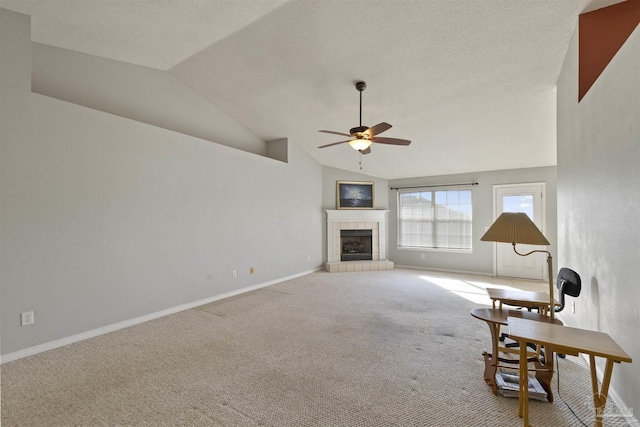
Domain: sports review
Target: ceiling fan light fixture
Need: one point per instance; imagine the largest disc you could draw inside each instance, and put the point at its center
(360, 144)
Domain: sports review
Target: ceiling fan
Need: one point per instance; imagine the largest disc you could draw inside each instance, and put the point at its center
(361, 137)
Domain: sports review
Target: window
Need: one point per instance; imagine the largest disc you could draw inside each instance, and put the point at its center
(438, 219)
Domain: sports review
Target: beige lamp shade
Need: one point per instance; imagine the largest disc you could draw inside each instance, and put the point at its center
(514, 227)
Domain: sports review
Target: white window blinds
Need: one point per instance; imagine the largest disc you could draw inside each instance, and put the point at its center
(438, 219)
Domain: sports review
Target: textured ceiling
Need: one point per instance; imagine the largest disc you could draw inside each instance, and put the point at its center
(471, 83)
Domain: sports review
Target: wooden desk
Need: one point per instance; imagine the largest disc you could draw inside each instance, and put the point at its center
(563, 339)
(520, 298)
(495, 317)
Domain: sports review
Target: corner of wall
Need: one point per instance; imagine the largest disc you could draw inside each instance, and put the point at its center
(278, 150)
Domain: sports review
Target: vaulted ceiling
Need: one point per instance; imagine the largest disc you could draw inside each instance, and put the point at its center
(471, 83)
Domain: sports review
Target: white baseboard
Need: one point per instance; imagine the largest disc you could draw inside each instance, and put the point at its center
(125, 324)
(629, 417)
(443, 270)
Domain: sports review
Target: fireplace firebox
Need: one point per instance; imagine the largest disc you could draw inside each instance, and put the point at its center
(356, 245)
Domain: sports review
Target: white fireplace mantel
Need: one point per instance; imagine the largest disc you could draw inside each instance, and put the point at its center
(357, 214)
(374, 219)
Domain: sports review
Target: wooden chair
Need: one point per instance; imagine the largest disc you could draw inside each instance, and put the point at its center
(568, 283)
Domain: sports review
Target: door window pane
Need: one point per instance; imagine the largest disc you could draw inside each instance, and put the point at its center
(519, 203)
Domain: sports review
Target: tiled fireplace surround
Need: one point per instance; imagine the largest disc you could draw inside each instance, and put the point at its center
(374, 220)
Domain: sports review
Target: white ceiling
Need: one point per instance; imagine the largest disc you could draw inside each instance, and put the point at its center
(470, 82)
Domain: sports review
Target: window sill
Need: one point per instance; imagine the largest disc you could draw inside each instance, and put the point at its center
(445, 250)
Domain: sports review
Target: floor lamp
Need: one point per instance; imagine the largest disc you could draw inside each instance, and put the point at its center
(517, 227)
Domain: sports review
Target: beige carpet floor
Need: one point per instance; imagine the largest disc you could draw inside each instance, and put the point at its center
(387, 348)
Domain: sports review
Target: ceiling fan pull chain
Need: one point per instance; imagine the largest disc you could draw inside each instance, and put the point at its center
(360, 152)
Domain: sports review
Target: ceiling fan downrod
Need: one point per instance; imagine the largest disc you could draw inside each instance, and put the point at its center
(360, 86)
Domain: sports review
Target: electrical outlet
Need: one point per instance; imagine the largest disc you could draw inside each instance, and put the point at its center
(234, 274)
(573, 307)
(27, 318)
(251, 270)
(308, 258)
(422, 256)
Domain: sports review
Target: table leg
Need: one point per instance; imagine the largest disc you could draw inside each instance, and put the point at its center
(523, 386)
(491, 360)
(600, 397)
(544, 373)
(495, 337)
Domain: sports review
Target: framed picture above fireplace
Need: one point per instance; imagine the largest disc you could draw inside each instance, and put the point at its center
(354, 195)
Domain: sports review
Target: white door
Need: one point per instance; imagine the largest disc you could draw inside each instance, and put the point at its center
(527, 198)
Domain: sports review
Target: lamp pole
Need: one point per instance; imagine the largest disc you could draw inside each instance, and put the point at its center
(552, 305)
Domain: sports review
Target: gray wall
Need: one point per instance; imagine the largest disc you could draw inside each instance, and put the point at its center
(105, 219)
(139, 93)
(481, 259)
(599, 202)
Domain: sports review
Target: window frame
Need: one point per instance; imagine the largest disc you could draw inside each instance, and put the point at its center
(433, 190)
